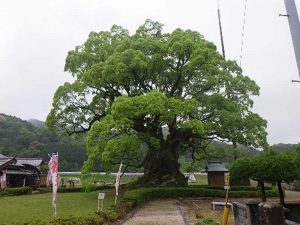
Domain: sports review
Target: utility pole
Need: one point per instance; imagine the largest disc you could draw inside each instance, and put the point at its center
(294, 24)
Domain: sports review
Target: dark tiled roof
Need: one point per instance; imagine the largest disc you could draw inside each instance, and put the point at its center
(29, 161)
(4, 161)
(215, 166)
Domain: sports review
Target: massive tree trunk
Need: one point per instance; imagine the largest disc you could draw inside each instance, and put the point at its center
(161, 168)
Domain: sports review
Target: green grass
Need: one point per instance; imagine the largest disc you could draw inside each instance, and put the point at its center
(200, 180)
(107, 178)
(26, 208)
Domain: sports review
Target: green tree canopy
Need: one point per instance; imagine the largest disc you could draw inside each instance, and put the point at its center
(271, 167)
(145, 97)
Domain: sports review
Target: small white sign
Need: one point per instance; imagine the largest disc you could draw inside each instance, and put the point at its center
(101, 196)
(226, 187)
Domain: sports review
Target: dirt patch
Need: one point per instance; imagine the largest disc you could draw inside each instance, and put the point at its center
(196, 209)
(292, 196)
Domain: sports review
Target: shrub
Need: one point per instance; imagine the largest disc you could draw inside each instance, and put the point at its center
(70, 190)
(43, 190)
(92, 220)
(15, 191)
(137, 196)
(108, 215)
(232, 188)
(82, 189)
(207, 221)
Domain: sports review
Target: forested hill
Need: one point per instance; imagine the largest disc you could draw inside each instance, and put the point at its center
(20, 138)
(31, 138)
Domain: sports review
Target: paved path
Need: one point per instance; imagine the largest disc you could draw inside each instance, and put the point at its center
(158, 212)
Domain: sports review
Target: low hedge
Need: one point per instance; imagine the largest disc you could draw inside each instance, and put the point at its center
(137, 196)
(91, 220)
(16, 191)
(232, 188)
(70, 190)
(78, 220)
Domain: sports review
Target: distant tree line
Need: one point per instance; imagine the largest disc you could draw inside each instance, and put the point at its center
(20, 138)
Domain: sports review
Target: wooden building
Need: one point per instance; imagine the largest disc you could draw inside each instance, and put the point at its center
(216, 173)
(20, 171)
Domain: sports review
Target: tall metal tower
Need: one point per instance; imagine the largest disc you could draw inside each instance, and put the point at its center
(294, 24)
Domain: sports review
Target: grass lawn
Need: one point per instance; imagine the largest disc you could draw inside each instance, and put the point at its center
(26, 208)
(201, 179)
(102, 179)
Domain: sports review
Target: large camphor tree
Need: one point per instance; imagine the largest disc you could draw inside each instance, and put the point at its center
(145, 98)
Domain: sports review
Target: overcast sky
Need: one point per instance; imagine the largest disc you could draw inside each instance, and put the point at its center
(35, 36)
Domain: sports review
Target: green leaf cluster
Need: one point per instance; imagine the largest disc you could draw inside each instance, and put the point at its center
(154, 91)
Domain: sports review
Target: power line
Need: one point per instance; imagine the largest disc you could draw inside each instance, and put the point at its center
(243, 32)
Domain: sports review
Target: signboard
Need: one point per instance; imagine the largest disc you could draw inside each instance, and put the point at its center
(101, 196)
(226, 187)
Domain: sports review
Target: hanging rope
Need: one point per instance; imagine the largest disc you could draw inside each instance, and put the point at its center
(220, 27)
(243, 33)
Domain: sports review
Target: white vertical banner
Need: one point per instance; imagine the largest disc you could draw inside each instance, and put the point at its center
(53, 168)
(117, 182)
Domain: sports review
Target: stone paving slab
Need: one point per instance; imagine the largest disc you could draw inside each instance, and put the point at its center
(157, 212)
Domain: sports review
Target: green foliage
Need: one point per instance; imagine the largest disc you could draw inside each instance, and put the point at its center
(241, 169)
(19, 138)
(128, 87)
(207, 221)
(295, 154)
(44, 169)
(137, 196)
(269, 167)
(91, 220)
(108, 215)
(15, 191)
(232, 188)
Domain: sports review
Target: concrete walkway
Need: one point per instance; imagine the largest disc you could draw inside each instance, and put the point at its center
(159, 212)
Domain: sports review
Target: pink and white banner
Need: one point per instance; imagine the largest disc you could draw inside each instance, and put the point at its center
(117, 182)
(53, 178)
(3, 179)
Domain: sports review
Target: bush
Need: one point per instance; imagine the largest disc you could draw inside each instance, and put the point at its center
(82, 189)
(16, 191)
(70, 190)
(232, 188)
(78, 221)
(108, 215)
(137, 196)
(207, 222)
(43, 190)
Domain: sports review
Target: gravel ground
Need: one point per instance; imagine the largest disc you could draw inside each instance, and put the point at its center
(158, 212)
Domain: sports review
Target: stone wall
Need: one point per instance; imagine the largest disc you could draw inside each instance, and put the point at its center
(245, 214)
(252, 213)
(240, 213)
